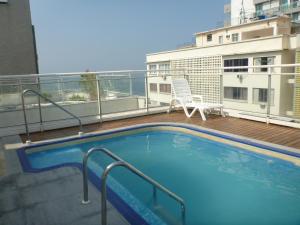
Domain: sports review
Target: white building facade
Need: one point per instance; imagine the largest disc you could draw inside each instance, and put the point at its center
(243, 11)
(263, 42)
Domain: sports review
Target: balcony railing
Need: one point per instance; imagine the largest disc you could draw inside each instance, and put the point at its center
(92, 96)
(264, 14)
(266, 93)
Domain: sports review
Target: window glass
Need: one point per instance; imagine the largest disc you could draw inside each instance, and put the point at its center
(235, 37)
(236, 93)
(221, 39)
(236, 62)
(209, 37)
(152, 69)
(164, 68)
(260, 95)
(295, 16)
(153, 87)
(165, 88)
(260, 61)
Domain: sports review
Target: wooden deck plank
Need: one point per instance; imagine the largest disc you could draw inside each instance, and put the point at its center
(261, 131)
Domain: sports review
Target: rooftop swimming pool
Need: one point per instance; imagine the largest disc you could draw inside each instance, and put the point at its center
(224, 180)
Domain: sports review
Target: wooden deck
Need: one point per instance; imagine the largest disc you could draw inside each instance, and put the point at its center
(257, 130)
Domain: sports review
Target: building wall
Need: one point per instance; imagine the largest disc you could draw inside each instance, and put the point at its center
(253, 80)
(268, 9)
(269, 44)
(203, 74)
(17, 50)
(279, 47)
(278, 26)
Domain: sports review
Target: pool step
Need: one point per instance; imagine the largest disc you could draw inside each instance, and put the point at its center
(166, 215)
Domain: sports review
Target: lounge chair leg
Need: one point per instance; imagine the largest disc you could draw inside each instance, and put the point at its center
(202, 114)
(222, 112)
(193, 112)
(171, 106)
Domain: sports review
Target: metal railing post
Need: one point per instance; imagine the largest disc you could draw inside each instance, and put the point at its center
(39, 103)
(85, 180)
(130, 84)
(25, 118)
(103, 190)
(154, 195)
(147, 93)
(99, 98)
(221, 86)
(269, 93)
(85, 169)
(24, 113)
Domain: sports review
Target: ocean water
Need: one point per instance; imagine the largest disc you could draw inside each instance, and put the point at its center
(74, 84)
(221, 184)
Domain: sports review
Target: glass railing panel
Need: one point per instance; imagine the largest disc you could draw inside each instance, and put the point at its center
(76, 93)
(11, 101)
(122, 92)
(296, 96)
(286, 93)
(246, 93)
(159, 88)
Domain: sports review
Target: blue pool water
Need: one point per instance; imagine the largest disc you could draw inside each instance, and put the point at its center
(221, 184)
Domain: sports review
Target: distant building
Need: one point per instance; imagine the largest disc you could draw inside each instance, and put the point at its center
(17, 39)
(244, 11)
(259, 42)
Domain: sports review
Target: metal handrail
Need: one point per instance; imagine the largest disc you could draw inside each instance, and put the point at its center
(121, 162)
(141, 175)
(49, 100)
(85, 169)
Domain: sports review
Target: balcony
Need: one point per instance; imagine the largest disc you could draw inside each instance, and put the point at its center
(110, 100)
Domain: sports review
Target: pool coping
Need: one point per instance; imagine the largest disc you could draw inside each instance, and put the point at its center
(129, 214)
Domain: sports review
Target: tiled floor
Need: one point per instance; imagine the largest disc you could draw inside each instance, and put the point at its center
(271, 133)
(48, 198)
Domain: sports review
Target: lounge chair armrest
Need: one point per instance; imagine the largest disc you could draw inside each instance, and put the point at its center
(198, 98)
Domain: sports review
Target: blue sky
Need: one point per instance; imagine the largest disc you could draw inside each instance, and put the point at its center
(76, 35)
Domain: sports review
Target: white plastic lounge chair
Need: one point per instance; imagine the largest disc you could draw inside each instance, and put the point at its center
(183, 96)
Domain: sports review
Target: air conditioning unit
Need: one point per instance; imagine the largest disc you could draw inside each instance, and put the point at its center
(3, 1)
(228, 36)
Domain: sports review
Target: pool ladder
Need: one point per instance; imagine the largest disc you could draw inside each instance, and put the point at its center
(40, 111)
(121, 163)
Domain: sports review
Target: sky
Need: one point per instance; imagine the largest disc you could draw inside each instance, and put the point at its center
(95, 35)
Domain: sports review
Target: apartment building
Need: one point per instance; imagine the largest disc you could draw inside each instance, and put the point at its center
(17, 41)
(261, 42)
(244, 11)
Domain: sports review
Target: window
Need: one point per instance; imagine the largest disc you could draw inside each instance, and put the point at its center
(295, 16)
(235, 37)
(260, 61)
(260, 95)
(165, 88)
(221, 39)
(152, 69)
(209, 37)
(236, 62)
(164, 68)
(259, 9)
(236, 93)
(153, 87)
